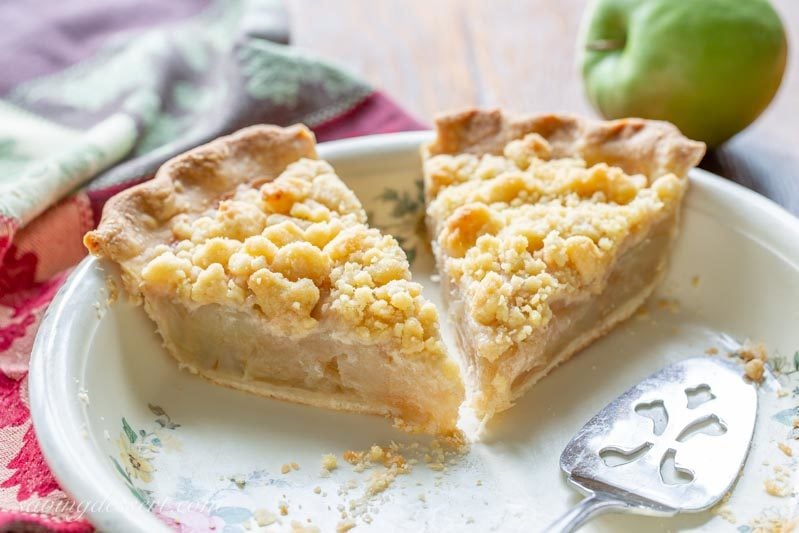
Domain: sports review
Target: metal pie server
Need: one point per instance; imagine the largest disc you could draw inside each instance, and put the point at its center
(674, 443)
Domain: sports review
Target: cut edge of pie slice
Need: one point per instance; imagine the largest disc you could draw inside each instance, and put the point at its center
(548, 231)
(258, 267)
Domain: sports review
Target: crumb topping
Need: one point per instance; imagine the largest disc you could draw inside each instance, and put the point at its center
(755, 369)
(785, 448)
(754, 356)
(777, 487)
(519, 230)
(329, 462)
(297, 249)
(345, 525)
(264, 518)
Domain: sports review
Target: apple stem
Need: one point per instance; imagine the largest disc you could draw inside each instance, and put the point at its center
(604, 45)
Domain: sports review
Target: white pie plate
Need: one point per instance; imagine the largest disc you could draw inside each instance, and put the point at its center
(735, 270)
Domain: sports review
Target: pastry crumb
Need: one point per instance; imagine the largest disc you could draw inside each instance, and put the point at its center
(754, 369)
(387, 462)
(298, 527)
(352, 457)
(83, 396)
(695, 281)
(754, 356)
(776, 488)
(317, 490)
(329, 462)
(264, 518)
(376, 453)
(712, 351)
(283, 507)
(382, 480)
(770, 522)
(669, 304)
(751, 351)
(723, 511)
(345, 525)
(363, 460)
(779, 485)
(785, 448)
(112, 290)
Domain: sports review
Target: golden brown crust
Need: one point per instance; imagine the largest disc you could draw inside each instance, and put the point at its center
(134, 219)
(638, 146)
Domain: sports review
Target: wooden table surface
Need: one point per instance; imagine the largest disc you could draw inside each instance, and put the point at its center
(436, 55)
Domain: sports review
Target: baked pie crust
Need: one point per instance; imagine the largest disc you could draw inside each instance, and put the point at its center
(258, 267)
(261, 273)
(548, 230)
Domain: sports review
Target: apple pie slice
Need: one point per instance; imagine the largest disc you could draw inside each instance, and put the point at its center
(258, 267)
(548, 230)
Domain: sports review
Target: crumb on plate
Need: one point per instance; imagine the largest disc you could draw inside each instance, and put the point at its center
(785, 448)
(776, 488)
(329, 462)
(264, 517)
(754, 369)
(751, 351)
(345, 525)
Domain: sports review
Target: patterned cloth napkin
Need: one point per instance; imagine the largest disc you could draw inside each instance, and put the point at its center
(94, 99)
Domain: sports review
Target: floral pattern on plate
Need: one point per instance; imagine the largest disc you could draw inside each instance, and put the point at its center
(189, 509)
(138, 450)
(228, 504)
(404, 218)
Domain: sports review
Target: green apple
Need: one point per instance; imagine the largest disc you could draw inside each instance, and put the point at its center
(709, 66)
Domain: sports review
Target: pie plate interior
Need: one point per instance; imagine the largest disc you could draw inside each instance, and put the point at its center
(144, 446)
